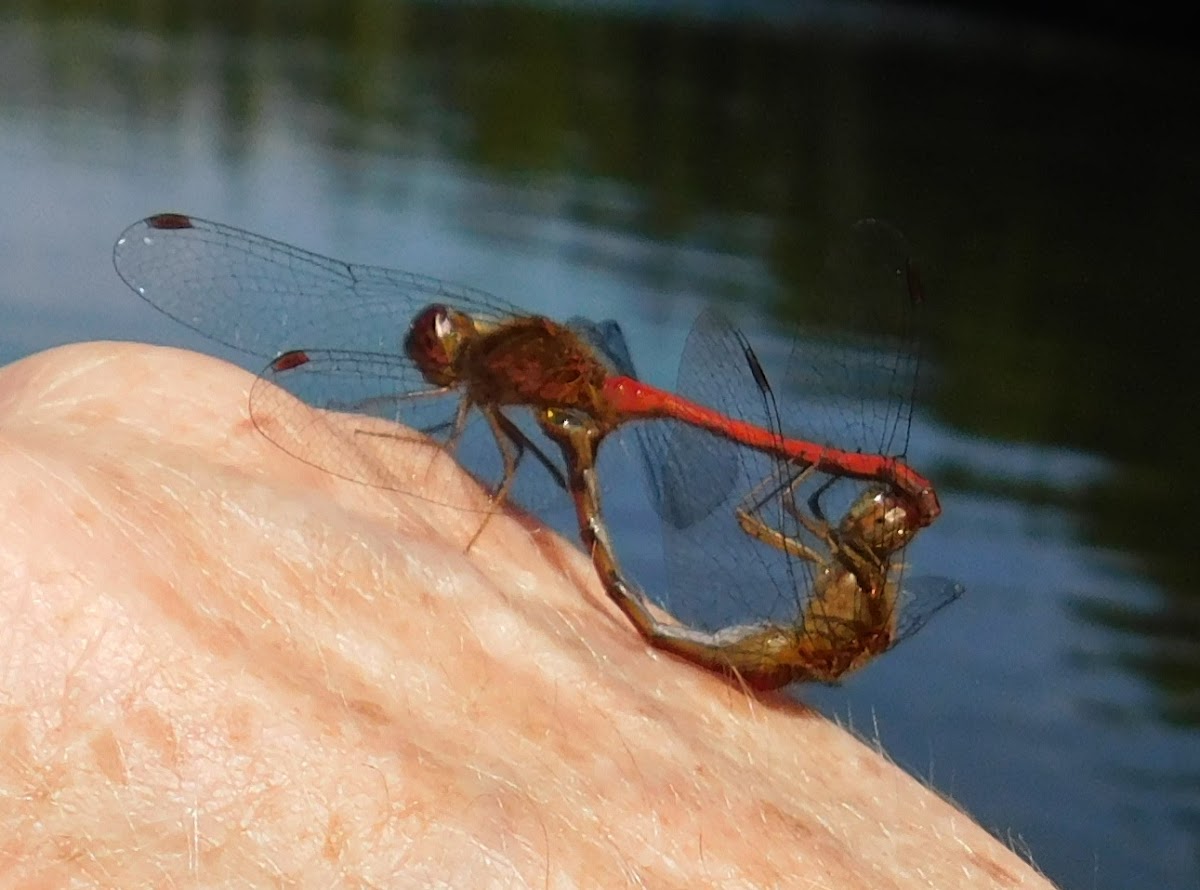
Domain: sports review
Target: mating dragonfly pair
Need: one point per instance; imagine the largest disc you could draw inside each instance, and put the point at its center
(816, 531)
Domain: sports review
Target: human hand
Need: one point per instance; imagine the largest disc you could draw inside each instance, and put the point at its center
(222, 666)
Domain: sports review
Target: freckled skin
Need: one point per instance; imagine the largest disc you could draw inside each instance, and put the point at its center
(365, 713)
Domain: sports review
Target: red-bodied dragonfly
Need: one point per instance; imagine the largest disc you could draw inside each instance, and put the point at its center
(385, 356)
(369, 347)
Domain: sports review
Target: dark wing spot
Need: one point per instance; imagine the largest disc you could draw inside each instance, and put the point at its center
(169, 221)
(289, 360)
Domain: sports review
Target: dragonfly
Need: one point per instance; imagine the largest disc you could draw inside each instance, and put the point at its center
(801, 577)
(391, 347)
(396, 359)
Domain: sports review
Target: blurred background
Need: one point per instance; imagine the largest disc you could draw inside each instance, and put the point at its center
(643, 160)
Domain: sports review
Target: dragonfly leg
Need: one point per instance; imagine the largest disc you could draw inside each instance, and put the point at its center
(786, 492)
(814, 522)
(749, 517)
(460, 424)
(512, 449)
(526, 445)
(867, 569)
(773, 486)
(814, 499)
(757, 528)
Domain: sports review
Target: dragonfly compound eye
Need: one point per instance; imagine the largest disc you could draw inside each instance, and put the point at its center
(432, 344)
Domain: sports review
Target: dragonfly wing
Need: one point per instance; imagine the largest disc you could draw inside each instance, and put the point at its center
(344, 411)
(262, 296)
(607, 338)
(918, 600)
(852, 376)
(693, 471)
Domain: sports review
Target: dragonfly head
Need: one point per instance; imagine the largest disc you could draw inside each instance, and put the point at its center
(882, 521)
(435, 340)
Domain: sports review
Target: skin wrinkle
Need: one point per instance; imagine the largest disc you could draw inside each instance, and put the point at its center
(313, 681)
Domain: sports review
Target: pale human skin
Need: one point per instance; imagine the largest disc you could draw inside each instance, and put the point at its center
(223, 667)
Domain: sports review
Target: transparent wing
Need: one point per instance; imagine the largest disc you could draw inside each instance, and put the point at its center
(608, 340)
(919, 600)
(851, 379)
(263, 297)
(691, 472)
(349, 414)
(718, 575)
